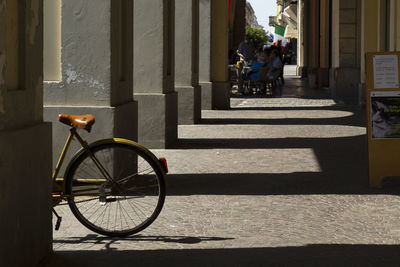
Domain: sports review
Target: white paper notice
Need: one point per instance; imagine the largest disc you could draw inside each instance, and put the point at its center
(386, 73)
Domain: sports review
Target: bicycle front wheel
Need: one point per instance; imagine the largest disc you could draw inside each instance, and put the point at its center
(116, 189)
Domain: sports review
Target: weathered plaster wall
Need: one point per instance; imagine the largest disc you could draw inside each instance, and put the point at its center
(96, 54)
(154, 46)
(86, 55)
(154, 72)
(205, 41)
(97, 59)
(205, 53)
(187, 61)
(186, 43)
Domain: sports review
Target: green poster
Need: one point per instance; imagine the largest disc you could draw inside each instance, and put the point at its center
(385, 114)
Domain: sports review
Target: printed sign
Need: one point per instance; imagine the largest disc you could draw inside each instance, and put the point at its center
(386, 73)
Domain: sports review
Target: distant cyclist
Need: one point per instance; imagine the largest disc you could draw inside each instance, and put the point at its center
(246, 52)
(246, 49)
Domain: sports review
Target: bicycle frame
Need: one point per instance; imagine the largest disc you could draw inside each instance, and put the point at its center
(58, 190)
(61, 190)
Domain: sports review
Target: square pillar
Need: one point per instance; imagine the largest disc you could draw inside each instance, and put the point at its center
(25, 140)
(346, 45)
(312, 24)
(301, 40)
(205, 53)
(324, 53)
(96, 68)
(219, 54)
(153, 77)
(187, 61)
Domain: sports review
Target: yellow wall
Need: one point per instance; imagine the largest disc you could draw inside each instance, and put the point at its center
(52, 40)
(371, 22)
(370, 31)
(381, 28)
(219, 40)
(396, 23)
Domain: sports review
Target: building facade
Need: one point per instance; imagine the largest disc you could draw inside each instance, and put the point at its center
(334, 36)
(251, 18)
(142, 70)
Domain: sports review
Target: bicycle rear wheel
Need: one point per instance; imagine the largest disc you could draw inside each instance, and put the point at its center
(120, 195)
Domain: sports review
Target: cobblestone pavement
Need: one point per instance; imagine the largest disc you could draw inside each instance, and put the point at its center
(276, 181)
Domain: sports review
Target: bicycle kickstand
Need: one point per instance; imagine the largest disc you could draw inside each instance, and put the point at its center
(59, 219)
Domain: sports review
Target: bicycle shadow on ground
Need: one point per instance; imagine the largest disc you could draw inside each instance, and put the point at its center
(309, 255)
(108, 241)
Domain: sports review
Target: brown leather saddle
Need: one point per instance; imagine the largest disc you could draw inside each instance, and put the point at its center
(77, 121)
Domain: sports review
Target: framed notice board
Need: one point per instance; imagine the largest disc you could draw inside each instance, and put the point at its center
(383, 115)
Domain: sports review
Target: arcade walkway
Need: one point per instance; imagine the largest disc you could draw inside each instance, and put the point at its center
(271, 182)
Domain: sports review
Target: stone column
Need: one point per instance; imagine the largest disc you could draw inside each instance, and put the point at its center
(205, 53)
(25, 140)
(187, 61)
(312, 46)
(301, 61)
(96, 70)
(154, 72)
(219, 55)
(323, 71)
(346, 47)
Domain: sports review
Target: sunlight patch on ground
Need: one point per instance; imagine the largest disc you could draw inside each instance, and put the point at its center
(274, 114)
(232, 131)
(281, 102)
(240, 161)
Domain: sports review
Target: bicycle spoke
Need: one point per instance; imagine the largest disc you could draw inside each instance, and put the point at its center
(125, 205)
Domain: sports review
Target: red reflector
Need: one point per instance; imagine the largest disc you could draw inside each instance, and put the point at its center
(163, 162)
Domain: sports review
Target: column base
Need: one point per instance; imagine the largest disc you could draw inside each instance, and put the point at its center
(344, 84)
(158, 119)
(120, 121)
(323, 77)
(189, 104)
(312, 78)
(318, 77)
(206, 95)
(25, 192)
(221, 95)
(362, 94)
(301, 71)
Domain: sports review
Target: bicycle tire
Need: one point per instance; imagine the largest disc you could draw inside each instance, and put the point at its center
(129, 202)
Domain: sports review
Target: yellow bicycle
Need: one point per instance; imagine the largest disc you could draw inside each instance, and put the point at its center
(114, 187)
